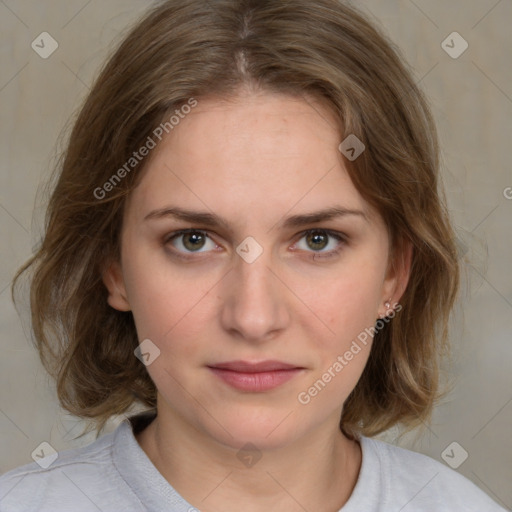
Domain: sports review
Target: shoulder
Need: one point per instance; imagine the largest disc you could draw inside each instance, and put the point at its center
(79, 479)
(418, 482)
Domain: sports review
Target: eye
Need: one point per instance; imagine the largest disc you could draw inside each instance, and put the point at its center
(190, 241)
(320, 241)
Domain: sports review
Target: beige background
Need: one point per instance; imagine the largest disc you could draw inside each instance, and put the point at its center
(472, 100)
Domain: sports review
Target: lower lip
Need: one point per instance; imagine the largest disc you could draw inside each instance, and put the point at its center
(261, 381)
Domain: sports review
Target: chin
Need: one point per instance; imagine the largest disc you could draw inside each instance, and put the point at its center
(265, 430)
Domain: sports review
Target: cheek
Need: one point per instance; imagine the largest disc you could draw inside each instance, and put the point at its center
(347, 308)
(347, 302)
(168, 306)
(149, 291)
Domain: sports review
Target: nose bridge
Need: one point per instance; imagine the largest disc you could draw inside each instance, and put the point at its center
(251, 266)
(254, 305)
(254, 277)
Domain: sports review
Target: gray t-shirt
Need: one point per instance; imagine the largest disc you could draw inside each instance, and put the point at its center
(113, 474)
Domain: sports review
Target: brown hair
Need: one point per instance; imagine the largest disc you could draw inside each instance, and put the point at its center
(185, 49)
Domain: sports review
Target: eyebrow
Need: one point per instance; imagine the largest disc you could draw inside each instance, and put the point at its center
(213, 220)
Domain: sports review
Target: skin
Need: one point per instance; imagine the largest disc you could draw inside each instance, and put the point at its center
(254, 160)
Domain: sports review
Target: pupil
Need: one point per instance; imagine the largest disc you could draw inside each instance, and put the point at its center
(193, 241)
(317, 240)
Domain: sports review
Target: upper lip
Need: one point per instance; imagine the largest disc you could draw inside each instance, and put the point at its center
(248, 367)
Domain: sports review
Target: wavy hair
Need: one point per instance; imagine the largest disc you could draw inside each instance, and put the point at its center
(183, 49)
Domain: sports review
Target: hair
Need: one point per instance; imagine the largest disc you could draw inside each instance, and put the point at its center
(192, 49)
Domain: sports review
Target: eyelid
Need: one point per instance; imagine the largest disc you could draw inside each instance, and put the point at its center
(179, 232)
(331, 232)
(342, 239)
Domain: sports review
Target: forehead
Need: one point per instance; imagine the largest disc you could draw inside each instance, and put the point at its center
(255, 152)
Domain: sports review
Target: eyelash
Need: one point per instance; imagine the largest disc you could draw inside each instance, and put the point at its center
(314, 256)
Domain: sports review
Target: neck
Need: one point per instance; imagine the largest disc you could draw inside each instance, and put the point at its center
(319, 471)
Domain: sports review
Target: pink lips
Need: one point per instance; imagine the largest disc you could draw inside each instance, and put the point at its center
(255, 377)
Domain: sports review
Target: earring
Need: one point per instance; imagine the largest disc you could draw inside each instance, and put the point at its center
(387, 305)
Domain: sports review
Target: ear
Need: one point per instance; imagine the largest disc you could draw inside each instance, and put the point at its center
(397, 277)
(113, 279)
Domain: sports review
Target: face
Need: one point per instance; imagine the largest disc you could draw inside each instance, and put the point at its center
(246, 241)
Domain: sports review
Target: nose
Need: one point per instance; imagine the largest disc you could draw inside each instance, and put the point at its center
(255, 304)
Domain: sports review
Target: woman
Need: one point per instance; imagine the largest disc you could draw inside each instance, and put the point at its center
(246, 237)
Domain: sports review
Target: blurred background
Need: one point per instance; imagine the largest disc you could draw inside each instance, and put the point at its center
(460, 53)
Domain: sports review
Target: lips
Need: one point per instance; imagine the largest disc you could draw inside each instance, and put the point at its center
(247, 367)
(255, 377)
